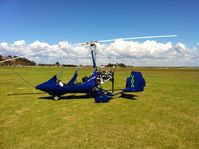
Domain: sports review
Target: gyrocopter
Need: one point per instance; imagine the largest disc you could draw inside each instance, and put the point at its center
(92, 85)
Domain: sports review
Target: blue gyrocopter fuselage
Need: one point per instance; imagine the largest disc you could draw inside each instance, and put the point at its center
(90, 85)
(57, 88)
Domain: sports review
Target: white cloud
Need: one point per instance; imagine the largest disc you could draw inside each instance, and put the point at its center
(19, 43)
(148, 53)
(4, 44)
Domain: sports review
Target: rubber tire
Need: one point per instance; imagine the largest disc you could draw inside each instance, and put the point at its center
(56, 98)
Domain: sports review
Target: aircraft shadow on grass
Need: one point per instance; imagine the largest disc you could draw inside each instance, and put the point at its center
(69, 97)
(19, 94)
(74, 97)
(128, 96)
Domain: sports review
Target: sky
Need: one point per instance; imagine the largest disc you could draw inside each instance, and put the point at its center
(32, 26)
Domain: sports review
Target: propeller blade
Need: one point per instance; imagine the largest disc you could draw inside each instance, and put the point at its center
(142, 37)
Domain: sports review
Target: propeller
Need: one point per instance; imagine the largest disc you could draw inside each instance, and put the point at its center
(91, 43)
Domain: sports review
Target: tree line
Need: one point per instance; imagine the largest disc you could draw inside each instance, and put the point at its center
(27, 62)
(16, 62)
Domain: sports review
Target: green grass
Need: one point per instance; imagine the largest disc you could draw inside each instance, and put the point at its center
(165, 115)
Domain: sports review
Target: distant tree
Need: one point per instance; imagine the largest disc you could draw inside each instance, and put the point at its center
(121, 65)
(1, 58)
(20, 61)
(57, 64)
(69, 65)
(45, 64)
(110, 65)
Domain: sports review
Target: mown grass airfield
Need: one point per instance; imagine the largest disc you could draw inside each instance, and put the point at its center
(165, 115)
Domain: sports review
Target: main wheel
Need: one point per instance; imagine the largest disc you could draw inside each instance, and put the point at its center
(56, 98)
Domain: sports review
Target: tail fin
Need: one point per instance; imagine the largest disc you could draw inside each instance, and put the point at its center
(135, 83)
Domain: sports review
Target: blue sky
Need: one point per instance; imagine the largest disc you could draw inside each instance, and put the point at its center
(28, 26)
(77, 20)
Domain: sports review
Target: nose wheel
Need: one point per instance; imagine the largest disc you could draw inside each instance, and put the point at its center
(56, 97)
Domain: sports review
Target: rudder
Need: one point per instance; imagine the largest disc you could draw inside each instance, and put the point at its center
(135, 83)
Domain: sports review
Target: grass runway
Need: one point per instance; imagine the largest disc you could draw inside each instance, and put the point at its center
(165, 115)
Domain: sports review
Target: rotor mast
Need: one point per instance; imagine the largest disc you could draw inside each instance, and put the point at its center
(93, 46)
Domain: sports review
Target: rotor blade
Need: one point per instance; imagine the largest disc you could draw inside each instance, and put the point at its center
(74, 45)
(142, 37)
(24, 56)
(79, 44)
(131, 38)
